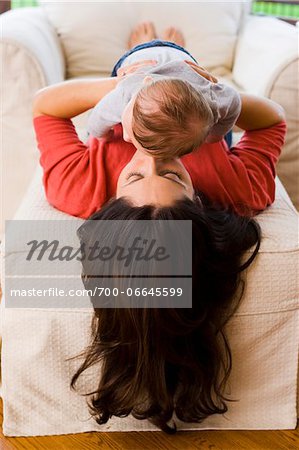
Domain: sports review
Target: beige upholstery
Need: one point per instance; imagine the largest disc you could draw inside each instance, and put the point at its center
(285, 90)
(94, 49)
(31, 58)
(45, 45)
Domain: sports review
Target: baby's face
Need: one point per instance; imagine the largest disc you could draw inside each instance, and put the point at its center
(126, 120)
(127, 116)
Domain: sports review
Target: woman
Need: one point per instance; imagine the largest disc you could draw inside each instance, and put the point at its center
(159, 361)
(80, 178)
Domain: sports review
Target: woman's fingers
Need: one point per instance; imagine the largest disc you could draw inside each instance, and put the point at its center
(202, 71)
(122, 71)
(144, 62)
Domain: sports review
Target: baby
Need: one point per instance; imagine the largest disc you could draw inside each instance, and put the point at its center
(167, 108)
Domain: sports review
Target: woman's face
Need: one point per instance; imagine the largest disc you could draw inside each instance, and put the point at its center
(147, 180)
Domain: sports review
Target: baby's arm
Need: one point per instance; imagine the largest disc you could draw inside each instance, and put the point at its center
(224, 101)
(106, 114)
(108, 111)
(228, 106)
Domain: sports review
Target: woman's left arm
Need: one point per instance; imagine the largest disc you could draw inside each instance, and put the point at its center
(70, 98)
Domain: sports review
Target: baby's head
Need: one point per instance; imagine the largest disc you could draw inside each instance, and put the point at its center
(170, 118)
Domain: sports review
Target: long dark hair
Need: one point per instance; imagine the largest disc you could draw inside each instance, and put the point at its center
(155, 361)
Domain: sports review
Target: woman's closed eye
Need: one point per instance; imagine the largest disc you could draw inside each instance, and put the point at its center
(134, 174)
(162, 173)
(176, 174)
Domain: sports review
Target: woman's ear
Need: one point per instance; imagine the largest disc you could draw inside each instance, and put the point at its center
(197, 200)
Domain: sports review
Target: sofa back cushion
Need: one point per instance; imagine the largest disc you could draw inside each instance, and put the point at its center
(94, 35)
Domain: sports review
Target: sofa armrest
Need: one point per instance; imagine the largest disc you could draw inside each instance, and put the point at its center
(266, 63)
(31, 58)
(29, 30)
(264, 47)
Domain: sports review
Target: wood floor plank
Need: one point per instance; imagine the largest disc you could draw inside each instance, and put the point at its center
(184, 440)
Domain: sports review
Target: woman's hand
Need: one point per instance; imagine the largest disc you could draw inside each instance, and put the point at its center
(202, 71)
(128, 70)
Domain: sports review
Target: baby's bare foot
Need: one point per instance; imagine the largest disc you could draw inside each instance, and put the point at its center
(172, 34)
(144, 32)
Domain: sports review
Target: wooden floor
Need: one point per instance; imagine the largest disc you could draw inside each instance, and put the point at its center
(185, 440)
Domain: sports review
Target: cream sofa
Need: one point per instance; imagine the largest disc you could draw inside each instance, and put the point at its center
(59, 40)
(47, 44)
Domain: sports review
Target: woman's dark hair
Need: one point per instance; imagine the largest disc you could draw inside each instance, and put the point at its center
(160, 361)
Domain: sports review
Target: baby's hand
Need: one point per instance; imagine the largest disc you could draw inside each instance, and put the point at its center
(201, 71)
(128, 70)
(109, 135)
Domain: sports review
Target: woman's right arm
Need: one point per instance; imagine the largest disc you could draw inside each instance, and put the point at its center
(258, 112)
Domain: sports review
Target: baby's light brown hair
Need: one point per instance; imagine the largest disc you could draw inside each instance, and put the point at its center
(171, 118)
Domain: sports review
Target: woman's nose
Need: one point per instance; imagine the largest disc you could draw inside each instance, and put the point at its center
(157, 164)
(151, 163)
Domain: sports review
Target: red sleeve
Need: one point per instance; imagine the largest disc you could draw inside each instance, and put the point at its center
(243, 176)
(74, 175)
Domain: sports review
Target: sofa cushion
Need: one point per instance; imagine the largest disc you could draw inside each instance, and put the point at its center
(95, 35)
(264, 337)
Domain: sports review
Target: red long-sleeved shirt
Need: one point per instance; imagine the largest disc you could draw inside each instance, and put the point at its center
(79, 178)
